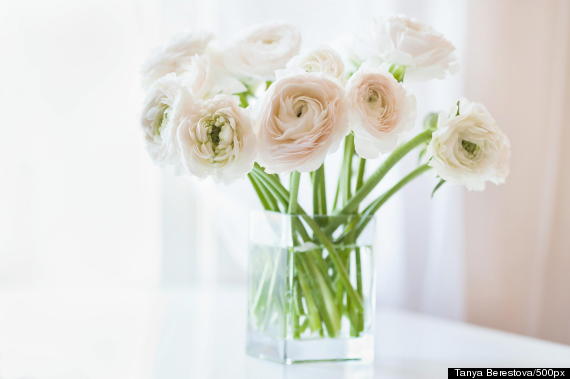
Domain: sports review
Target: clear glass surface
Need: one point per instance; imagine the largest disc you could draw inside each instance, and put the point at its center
(310, 288)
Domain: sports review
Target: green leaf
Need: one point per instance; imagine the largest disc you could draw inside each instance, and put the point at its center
(422, 154)
(430, 121)
(243, 102)
(398, 72)
(245, 95)
(437, 186)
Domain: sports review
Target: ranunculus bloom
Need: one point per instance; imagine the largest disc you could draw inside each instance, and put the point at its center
(158, 119)
(323, 59)
(382, 111)
(302, 117)
(469, 149)
(426, 53)
(175, 56)
(217, 139)
(262, 49)
(207, 76)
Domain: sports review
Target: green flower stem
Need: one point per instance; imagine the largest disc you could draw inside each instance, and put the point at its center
(319, 234)
(360, 173)
(273, 186)
(312, 310)
(336, 259)
(315, 275)
(282, 195)
(357, 258)
(319, 191)
(296, 321)
(322, 189)
(321, 294)
(356, 314)
(346, 165)
(336, 195)
(257, 298)
(316, 194)
(259, 192)
(270, 291)
(296, 308)
(377, 175)
(265, 197)
(323, 180)
(358, 264)
(378, 202)
(359, 327)
(346, 175)
(303, 271)
(293, 191)
(298, 300)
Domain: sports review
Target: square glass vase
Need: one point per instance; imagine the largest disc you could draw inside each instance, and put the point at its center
(311, 292)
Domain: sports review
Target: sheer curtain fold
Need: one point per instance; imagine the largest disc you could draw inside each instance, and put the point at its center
(78, 196)
(518, 246)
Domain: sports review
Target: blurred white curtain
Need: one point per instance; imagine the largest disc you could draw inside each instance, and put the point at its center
(518, 240)
(78, 196)
(419, 245)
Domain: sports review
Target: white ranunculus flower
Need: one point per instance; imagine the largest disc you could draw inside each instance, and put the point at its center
(261, 50)
(217, 140)
(323, 59)
(207, 76)
(161, 106)
(175, 56)
(468, 148)
(426, 53)
(301, 118)
(382, 111)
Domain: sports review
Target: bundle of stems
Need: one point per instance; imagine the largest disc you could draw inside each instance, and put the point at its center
(322, 288)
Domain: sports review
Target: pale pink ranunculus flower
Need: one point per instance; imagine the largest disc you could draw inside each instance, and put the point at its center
(426, 53)
(216, 139)
(207, 76)
(158, 121)
(175, 56)
(262, 49)
(382, 111)
(301, 118)
(322, 59)
(468, 148)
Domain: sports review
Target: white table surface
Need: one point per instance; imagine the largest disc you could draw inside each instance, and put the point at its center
(124, 334)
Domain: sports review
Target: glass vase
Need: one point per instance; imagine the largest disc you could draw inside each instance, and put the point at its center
(310, 288)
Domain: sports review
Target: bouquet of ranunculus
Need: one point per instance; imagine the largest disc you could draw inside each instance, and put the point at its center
(258, 106)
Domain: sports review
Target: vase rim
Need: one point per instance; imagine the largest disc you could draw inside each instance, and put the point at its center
(319, 216)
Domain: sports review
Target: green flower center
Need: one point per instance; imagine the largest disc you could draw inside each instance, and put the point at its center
(373, 95)
(470, 147)
(214, 126)
(160, 120)
(216, 138)
(300, 109)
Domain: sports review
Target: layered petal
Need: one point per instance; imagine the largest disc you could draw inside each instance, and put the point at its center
(382, 111)
(468, 148)
(302, 117)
